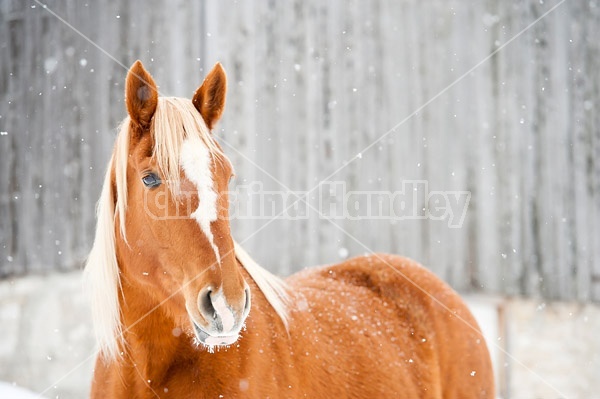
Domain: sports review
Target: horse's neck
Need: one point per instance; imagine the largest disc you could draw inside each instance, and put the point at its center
(150, 332)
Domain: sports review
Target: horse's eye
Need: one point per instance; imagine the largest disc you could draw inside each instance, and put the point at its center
(151, 180)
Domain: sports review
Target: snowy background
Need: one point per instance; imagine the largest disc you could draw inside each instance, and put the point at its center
(495, 98)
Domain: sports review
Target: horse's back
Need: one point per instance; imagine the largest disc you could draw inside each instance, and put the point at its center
(414, 327)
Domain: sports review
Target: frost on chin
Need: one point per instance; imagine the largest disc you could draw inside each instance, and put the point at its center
(209, 348)
(217, 348)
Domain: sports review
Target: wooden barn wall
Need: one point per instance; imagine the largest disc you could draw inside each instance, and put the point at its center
(312, 84)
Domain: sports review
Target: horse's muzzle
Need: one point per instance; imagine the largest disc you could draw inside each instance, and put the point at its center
(222, 321)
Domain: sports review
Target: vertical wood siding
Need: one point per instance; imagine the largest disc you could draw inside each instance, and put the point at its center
(311, 85)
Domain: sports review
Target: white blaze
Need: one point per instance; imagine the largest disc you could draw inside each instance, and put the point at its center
(196, 163)
(224, 312)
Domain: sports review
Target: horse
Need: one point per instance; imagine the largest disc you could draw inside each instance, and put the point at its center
(182, 311)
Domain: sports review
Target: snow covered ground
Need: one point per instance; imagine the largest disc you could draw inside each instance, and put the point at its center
(46, 339)
(10, 391)
(485, 310)
(540, 350)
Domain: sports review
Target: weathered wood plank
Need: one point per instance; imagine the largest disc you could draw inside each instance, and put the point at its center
(311, 84)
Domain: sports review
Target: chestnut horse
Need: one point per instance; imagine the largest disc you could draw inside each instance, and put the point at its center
(181, 311)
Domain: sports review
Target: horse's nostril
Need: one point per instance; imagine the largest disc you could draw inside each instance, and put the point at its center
(218, 314)
(206, 305)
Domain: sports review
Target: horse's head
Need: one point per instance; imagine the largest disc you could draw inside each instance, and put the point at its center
(173, 233)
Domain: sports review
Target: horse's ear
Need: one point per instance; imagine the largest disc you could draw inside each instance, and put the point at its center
(209, 99)
(141, 95)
